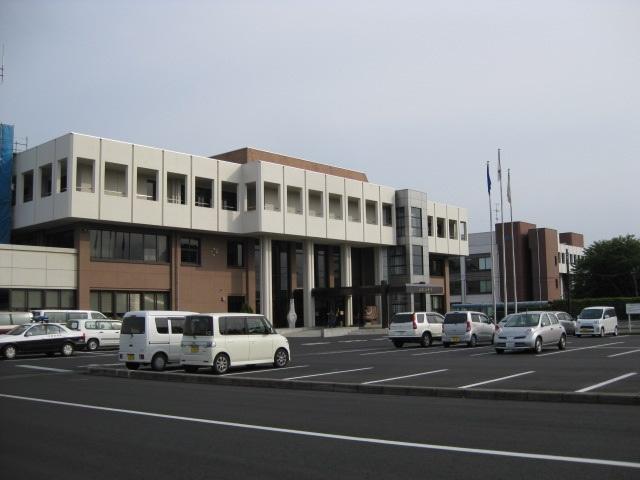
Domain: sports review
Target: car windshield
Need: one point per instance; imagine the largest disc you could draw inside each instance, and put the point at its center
(523, 320)
(18, 330)
(507, 318)
(590, 313)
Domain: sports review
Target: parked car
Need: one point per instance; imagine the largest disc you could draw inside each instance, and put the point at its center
(224, 340)
(597, 321)
(62, 316)
(531, 331)
(98, 333)
(151, 337)
(567, 321)
(39, 338)
(416, 327)
(9, 320)
(467, 327)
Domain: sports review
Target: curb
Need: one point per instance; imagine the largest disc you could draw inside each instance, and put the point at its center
(441, 392)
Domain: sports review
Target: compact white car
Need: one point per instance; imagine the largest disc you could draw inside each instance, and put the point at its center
(151, 337)
(470, 328)
(98, 333)
(415, 327)
(597, 321)
(223, 340)
(531, 331)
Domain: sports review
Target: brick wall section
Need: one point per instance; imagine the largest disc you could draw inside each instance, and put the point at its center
(572, 238)
(245, 155)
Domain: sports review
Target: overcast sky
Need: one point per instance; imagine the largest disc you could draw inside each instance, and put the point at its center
(417, 94)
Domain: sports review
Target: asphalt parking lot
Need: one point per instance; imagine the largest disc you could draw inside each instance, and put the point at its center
(604, 365)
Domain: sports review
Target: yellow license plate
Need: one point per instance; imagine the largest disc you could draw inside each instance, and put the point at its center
(455, 339)
(194, 349)
(131, 356)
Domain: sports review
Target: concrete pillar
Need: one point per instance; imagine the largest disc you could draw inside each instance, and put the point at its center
(308, 282)
(378, 258)
(347, 281)
(266, 291)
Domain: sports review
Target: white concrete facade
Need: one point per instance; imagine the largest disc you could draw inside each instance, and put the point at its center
(38, 267)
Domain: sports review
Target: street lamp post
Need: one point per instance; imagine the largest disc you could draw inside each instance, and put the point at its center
(566, 258)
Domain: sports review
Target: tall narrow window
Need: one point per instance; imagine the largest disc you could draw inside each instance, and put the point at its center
(229, 192)
(387, 215)
(416, 222)
(27, 186)
(400, 222)
(353, 209)
(371, 212)
(115, 179)
(335, 206)
(190, 251)
(416, 254)
(176, 188)
(84, 175)
(271, 196)
(463, 230)
(315, 203)
(147, 184)
(294, 200)
(62, 175)
(251, 196)
(430, 225)
(45, 180)
(440, 227)
(13, 190)
(453, 229)
(235, 254)
(204, 192)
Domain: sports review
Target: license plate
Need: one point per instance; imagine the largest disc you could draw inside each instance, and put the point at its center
(511, 345)
(195, 349)
(455, 339)
(131, 356)
(585, 329)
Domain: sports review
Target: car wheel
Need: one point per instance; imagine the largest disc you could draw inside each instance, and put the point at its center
(562, 344)
(9, 352)
(67, 349)
(190, 368)
(473, 342)
(493, 338)
(426, 340)
(158, 362)
(132, 365)
(93, 344)
(221, 364)
(446, 344)
(281, 358)
(615, 331)
(398, 343)
(578, 335)
(537, 347)
(602, 332)
(499, 351)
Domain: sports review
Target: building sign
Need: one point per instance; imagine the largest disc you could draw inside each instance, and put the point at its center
(633, 308)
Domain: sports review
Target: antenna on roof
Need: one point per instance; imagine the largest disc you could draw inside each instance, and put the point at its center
(20, 146)
(2, 66)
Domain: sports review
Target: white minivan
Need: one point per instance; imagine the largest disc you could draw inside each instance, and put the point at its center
(223, 340)
(151, 337)
(597, 321)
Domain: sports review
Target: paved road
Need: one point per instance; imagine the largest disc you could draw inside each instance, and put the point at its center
(120, 428)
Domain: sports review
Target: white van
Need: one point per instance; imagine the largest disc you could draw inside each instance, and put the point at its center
(223, 340)
(61, 316)
(151, 337)
(597, 321)
(98, 333)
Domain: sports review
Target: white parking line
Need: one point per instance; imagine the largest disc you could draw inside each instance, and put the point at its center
(602, 384)
(48, 369)
(497, 379)
(406, 376)
(352, 341)
(334, 352)
(379, 339)
(385, 351)
(576, 349)
(480, 354)
(101, 365)
(331, 436)
(315, 343)
(329, 373)
(449, 350)
(265, 370)
(623, 353)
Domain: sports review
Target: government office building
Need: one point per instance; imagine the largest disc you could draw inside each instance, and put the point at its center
(113, 226)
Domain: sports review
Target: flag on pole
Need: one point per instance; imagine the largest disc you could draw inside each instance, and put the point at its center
(509, 185)
(499, 167)
(488, 180)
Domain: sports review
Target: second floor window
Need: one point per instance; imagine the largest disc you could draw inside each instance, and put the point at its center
(235, 254)
(416, 222)
(190, 250)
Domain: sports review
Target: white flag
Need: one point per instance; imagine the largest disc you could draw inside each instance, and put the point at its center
(509, 185)
(499, 167)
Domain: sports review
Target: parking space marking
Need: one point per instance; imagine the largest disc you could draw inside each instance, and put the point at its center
(352, 341)
(265, 370)
(333, 436)
(48, 369)
(602, 384)
(623, 353)
(405, 376)
(448, 350)
(480, 354)
(576, 349)
(378, 339)
(385, 351)
(119, 364)
(497, 379)
(334, 352)
(314, 343)
(329, 373)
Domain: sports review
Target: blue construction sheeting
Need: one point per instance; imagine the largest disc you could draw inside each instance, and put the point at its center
(6, 171)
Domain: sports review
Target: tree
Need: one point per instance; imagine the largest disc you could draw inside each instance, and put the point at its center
(609, 268)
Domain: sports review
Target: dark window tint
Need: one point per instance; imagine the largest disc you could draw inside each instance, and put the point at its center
(402, 318)
(257, 326)
(450, 318)
(177, 325)
(198, 325)
(133, 325)
(235, 254)
(232, 326)
(162, 325)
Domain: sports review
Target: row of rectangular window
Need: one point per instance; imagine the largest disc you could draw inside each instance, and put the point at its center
(31, 299)
(573, 258)
(115, 304)
(416, 225)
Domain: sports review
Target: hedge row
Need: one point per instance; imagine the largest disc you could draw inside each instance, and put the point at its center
(577, 304)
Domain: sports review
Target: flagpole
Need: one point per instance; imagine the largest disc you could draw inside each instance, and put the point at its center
(504, 259)
(513, 241)
(493, 281)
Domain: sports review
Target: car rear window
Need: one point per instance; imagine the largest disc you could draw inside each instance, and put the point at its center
(402, 318)
(198, 325)
(73, 325)
(133, 325)
(450, 318)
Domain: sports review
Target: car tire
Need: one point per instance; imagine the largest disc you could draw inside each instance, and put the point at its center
(537, 347)
(446, 344)
(92, 344)
(426, 340)
(602, 332)
(578, 335)
(562, 343)
(499, 351)
(473, 342)
(281, 358)
(67, 349)
(493, 338)
(615, 331)
(9, 352)
(159, 362)
(221, 364)
(190, 368)
(397, 343)
(132, 365)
